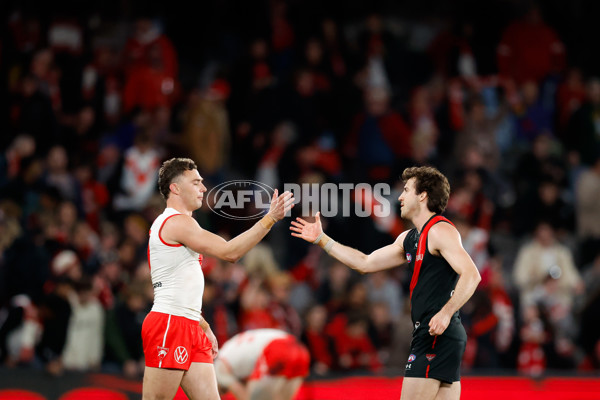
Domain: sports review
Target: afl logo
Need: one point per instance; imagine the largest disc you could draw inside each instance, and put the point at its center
(181, 355)
(240, 199)
(408, 257)
(411, 358)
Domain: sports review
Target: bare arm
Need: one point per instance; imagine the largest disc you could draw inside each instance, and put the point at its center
(239, 391)
(185, 230)
(384, 258)
(272, 388)
(444, 239)
(211, 336)
(227, 382)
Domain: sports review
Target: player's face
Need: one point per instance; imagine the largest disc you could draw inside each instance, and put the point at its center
(192, 189)
(409, 200)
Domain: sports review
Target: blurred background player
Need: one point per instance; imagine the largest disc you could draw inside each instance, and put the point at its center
(267, 364)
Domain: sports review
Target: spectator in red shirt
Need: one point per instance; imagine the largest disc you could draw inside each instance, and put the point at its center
(533, 334)
(151, 69)
(317, 342)
(570, 96)
(530, 49)
(282, 37)
(146, 38)
(150, 87)
(254, 312)
(354, 347)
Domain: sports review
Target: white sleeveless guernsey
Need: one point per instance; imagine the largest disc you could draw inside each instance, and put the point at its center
(176, 273)
(242, 351)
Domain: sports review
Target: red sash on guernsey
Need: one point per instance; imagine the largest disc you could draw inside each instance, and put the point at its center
(421, 248)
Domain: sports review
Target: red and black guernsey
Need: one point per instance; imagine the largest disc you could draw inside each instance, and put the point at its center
(433, 279)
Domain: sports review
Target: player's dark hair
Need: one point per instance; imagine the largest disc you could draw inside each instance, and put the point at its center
(170, 170)
(432, 181)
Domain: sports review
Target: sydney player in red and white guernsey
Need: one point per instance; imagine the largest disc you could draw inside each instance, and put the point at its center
(179, 345)
(266, 364)
(444, 277)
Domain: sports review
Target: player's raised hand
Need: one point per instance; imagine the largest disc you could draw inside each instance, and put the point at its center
(308, 231)
(281, 204)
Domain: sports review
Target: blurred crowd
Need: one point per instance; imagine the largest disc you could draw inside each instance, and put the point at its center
(94, 103)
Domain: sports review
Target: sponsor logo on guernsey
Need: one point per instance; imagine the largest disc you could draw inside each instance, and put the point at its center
(157, 284)
(408, 257)
(430, 357)
(162, 352)
(181, 355)
(419, 257)
(412, 358)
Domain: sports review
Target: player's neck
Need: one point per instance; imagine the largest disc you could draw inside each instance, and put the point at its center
(421, 218)
(176, 204)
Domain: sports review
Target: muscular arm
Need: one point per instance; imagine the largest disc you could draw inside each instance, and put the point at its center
(444, 240)
(227, 382)
(384, 258)
(183, 229)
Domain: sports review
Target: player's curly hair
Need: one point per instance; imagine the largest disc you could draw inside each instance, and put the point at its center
(432, 181)
(170, 170)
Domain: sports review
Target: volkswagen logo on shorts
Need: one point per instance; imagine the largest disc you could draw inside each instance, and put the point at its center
(181, 355)
(240, 199)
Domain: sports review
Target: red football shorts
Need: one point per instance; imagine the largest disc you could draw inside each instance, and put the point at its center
(282, 357)
(174, 342)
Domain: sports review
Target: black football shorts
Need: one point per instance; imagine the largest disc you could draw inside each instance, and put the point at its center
(437, 357)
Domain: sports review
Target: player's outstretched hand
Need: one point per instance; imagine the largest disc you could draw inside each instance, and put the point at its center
(281, 204)
(308, 231)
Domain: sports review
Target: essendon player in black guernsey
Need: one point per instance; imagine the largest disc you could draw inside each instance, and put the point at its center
(444, 278)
